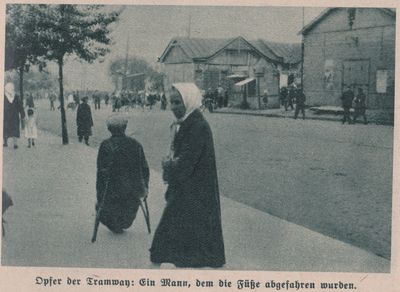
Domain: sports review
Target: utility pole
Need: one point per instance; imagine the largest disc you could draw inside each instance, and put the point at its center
(302, 53)
(124, 78)
(189, 25)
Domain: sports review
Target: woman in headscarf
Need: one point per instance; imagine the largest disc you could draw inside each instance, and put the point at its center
(189, 233)
(13, 111)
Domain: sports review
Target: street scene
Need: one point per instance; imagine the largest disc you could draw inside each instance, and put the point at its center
(288, 150)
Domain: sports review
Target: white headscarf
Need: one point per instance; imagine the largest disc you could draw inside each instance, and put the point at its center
(191, 96)
(9, 91)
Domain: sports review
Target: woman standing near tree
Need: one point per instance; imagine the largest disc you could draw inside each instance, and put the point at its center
(190, 233)
(13, 112)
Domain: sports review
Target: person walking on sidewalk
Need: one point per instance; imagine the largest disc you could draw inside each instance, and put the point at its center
(31, 127)
(189, 233)
(122, 177)
(300, 103)
(290, 97)
(13, 114)
(283, 94)
(360, 106)
(163, 102)
(52, 99)
(84, 120)
(347, 101)
(29, 101)
(97, 100)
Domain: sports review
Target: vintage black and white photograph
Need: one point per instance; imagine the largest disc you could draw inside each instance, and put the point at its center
(255, 138)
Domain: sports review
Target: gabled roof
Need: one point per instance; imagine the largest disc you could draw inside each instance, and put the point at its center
(327, 11)
(201, 48)
(195, 48)
(289, 52)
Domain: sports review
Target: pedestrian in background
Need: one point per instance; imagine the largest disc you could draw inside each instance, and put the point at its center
(265, 98)
(290, 97)
(96, 99)
(283, 96)
(122, 177)
(347, 101)
(84, 121)
(300, 103)
(163, 102)
(29, 101)
(360, 106)
(106, 99)
(76, 98)
(52, 98)
(189, 233)
(13, 115)
(31, 127)
(226, 98)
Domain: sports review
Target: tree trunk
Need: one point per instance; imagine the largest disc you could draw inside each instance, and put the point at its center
(64, 131)
(21, 83)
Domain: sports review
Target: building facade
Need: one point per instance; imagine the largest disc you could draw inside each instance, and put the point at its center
(350, 47)
(245, 69)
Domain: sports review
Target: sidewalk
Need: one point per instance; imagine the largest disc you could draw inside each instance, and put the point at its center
(51, 222)
(379, 117)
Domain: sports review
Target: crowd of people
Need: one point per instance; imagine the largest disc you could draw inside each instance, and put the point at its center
(215, 98)
(189, 233)
(359, 101)
(290, 96)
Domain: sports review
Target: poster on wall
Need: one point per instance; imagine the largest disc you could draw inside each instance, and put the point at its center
(381, 81)
(328, 75)
(283, 80)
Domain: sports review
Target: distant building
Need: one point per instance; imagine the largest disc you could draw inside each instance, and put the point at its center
(354, 47)
(244, 68)
(132, 82)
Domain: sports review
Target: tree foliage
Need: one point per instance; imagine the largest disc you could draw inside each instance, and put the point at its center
(81, 30)
(22, 46)
(39, 33)
(35, 81)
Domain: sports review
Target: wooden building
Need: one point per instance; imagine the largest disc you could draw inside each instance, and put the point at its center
(132, 82)
(244, 68)
(354, 47)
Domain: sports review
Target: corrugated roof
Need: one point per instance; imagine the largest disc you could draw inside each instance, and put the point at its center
(290, 52)
(202, 48)
(265, 50)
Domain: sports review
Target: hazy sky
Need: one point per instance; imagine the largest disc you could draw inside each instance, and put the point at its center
(150, 28)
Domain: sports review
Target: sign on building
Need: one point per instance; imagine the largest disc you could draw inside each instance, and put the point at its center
(381, 81)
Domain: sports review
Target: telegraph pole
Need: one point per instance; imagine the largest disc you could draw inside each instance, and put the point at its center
(189, 25)
(124, 78)
(302, 53)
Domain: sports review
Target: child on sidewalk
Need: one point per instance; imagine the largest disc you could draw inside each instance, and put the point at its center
(31, 128)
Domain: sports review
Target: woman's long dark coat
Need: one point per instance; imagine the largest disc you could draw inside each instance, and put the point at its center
(84, 120)
(122, 162)
(190, 233)
(12, 113)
